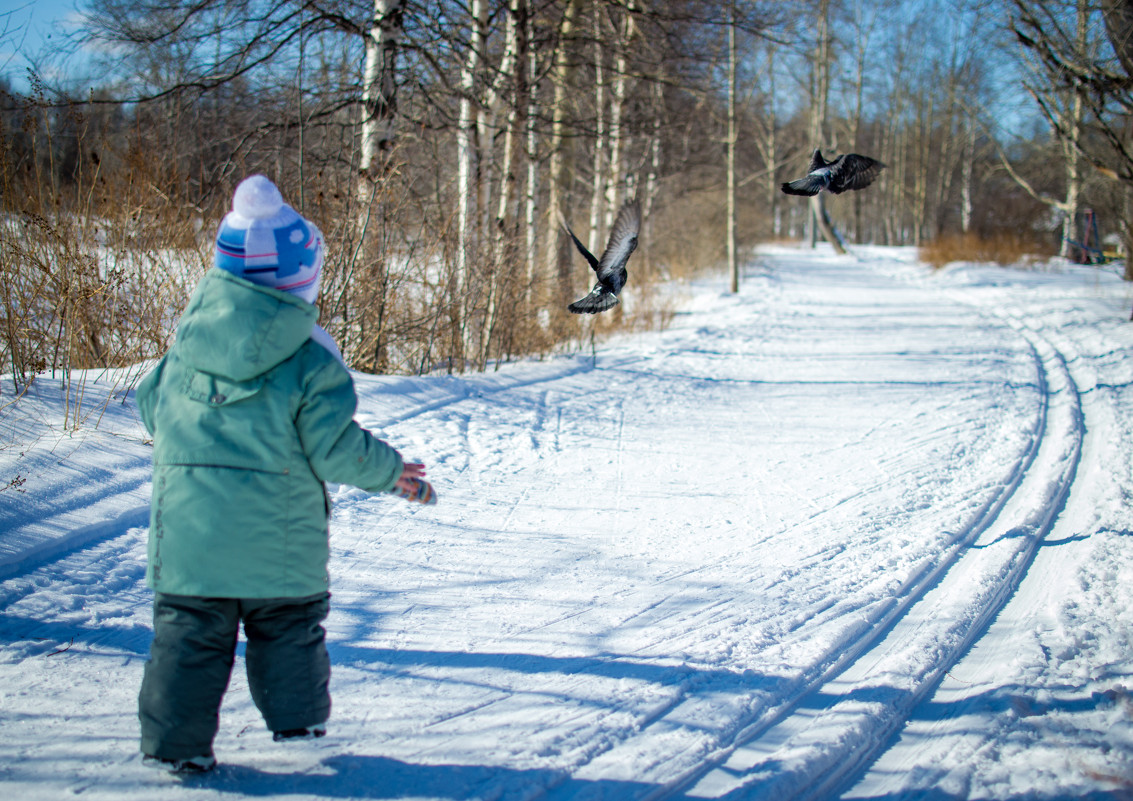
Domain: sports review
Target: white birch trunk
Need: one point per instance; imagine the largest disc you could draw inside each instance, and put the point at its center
(1071, 152)
(487, 114)
(773, 151)
(617, 110)
(966, 179)
(598, 187)
(821, 87)
(561, 74)
(654, 165)
(819, 78)
(508, 66)
(378, 87)
(531, 146)
(465, 191)
(733, 262)
(614, 169)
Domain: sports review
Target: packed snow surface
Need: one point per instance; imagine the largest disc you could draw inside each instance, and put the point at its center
(859, 531)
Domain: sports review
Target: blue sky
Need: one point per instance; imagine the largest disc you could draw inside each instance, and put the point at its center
(29, 30)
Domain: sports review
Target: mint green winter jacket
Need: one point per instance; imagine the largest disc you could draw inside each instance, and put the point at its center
(249, 417)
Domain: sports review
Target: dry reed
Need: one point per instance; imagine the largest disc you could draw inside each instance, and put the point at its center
(1002, 248)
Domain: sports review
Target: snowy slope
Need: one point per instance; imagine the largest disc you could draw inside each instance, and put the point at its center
(860, 531)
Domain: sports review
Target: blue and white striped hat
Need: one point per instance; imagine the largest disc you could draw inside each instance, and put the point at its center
(267, 242)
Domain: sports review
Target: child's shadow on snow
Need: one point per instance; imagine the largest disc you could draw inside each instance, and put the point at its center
(353, 776)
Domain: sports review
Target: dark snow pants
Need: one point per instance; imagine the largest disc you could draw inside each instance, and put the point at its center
(194, 646)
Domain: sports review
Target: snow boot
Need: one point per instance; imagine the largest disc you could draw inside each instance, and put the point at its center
(309, 733)
(181, 767)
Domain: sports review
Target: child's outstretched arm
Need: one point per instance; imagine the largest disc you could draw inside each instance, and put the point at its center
(336, 447)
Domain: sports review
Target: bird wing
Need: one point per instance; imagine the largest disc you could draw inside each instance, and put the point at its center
(623, 241)
(854, 172)
(581, 247)
(817, 162)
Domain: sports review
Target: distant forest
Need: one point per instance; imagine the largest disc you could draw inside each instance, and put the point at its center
(439, 144)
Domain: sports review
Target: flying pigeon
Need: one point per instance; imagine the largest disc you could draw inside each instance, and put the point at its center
(611, 269)
(850, 171)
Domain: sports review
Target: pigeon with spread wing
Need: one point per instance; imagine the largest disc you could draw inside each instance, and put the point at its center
(611, 268)
(849, 171)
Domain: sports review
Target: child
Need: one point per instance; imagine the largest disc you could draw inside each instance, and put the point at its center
(251, 411)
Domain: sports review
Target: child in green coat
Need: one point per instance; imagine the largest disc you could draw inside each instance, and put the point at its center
(251, 412)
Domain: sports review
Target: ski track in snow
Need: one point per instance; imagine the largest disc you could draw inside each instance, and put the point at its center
(809, 745)
(1028, 614)
(740, 559)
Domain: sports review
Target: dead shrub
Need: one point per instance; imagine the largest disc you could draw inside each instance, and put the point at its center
(1002, 248)
(101, 251)
(96, 263)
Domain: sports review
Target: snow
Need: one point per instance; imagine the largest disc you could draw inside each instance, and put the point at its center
(860, 531)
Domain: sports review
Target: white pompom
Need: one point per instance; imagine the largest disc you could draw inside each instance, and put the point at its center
(257, 198)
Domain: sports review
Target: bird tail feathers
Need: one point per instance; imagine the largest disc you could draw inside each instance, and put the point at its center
(803, 186)
(594, 302)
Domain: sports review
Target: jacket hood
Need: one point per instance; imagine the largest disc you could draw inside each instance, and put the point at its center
(239, 330)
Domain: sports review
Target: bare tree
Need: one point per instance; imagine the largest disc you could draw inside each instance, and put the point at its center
(820, 95)
(557, 262)
(466, 191)
(625, 35)
(379, 88)
(1053, 34)
(730, 150)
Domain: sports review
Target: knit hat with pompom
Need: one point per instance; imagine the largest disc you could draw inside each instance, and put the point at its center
(267, 242)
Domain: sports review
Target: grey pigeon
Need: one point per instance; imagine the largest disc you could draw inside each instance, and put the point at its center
(611, 268)
(850, 171)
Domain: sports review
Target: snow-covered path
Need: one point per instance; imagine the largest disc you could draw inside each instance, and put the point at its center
(860, 531)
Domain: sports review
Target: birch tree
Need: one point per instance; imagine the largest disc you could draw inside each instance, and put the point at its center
(529, 98)
(598, 180)
(513, 72)
(730, 146)
(820, 91)
(557, 260)
(614, 175)
(1051, 34)
(657, 107)
(765, 136)
(379, 88)
(465, 157)
(1067, 104)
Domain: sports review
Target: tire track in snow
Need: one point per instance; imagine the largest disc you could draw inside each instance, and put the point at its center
(820, 730)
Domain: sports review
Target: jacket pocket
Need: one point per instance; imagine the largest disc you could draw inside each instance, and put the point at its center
(216, 390)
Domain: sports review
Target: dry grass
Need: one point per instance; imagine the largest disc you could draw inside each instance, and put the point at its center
(95, 265)
(99, 259)
(1001, 248)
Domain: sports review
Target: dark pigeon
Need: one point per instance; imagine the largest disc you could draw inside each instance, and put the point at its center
(850, 171)
(611, 268)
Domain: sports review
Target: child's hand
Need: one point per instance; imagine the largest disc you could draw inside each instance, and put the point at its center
(412, 485)
(410, 471)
